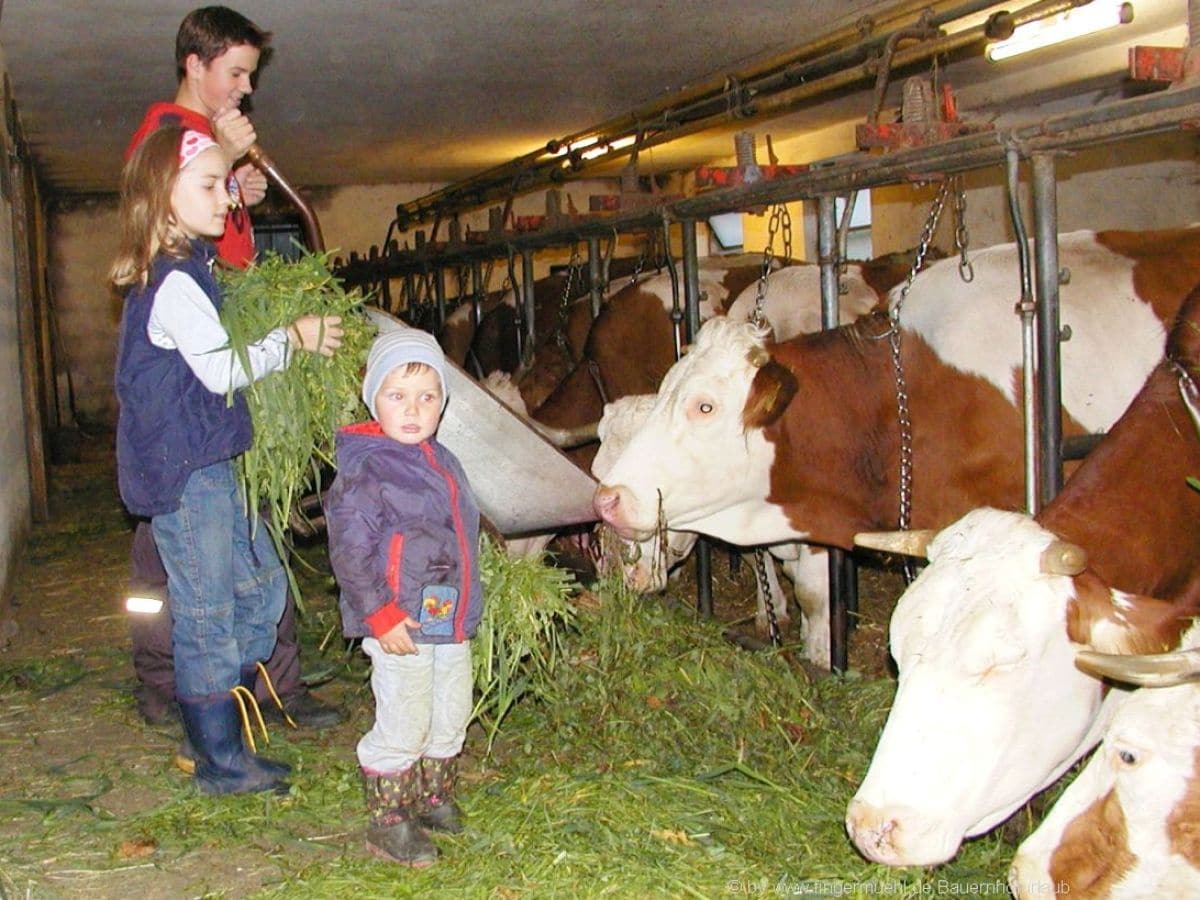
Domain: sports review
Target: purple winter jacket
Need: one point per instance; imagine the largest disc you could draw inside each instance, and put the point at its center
(403, 537)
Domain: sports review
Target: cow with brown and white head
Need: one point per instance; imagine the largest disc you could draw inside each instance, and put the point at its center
(1127, 827)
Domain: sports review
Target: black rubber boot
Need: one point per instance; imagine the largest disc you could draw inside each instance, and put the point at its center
(223, 765)
(439, 812)
(395, 832)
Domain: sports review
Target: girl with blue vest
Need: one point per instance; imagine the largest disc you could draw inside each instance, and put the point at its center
(178, 435)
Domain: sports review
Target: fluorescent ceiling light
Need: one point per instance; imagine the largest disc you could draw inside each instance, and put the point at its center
(1082, 20)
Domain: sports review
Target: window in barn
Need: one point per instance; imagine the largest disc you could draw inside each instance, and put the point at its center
(281, 234)
(726, 231)
(858, 238)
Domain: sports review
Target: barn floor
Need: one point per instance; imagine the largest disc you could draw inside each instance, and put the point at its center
(727, 775)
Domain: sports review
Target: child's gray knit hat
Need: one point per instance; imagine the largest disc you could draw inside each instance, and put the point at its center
(396, 348)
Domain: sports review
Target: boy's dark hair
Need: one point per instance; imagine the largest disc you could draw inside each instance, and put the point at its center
(211, 30)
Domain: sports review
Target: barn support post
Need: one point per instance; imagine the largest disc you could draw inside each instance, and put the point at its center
(594, 287)
(691, 320)
(843, 580)
(1049, 372)
(527, 297)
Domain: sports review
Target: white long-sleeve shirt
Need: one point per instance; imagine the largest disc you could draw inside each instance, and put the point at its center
(183, 318)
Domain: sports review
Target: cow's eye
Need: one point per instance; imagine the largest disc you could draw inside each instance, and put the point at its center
(1128, 757)
(701, 407)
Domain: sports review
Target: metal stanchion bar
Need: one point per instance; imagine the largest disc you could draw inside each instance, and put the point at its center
(594, 286)
(528, 298)
(839, 560)
(691, 320)
(1049, 372)
(439, 292)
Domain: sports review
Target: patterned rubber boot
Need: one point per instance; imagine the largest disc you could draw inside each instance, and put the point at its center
(395, 832)
(439, 812)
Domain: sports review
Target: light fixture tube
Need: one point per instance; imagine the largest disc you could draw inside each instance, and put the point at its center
(1065, 26)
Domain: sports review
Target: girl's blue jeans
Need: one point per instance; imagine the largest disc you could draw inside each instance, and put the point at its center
(227, 588)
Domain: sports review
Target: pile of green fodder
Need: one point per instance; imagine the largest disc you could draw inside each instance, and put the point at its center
(296, 411)
(661, 761)
(519, 647)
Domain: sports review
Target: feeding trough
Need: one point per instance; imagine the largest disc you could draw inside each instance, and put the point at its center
(523, 483)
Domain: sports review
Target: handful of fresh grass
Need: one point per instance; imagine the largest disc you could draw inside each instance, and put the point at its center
(296, 411)
(519, 643)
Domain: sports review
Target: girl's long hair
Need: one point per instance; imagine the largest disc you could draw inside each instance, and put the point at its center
(147, 222)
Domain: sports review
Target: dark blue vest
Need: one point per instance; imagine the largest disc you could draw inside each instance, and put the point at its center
(170, 424)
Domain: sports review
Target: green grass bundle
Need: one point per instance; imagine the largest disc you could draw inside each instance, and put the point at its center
(296, 411)
(519, 644)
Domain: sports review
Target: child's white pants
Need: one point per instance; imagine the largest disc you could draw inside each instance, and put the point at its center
(422, 705)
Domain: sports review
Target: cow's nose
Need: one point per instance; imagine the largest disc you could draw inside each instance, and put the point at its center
(898, 835)
(605, 502)
(872, 832)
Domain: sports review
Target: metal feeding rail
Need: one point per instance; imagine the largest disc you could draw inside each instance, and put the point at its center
(1038, 141)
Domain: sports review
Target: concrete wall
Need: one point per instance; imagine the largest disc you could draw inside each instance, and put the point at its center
(14, 461)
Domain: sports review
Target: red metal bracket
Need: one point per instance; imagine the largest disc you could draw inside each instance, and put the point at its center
(1158, 65)
(899, 136)
(732, 176)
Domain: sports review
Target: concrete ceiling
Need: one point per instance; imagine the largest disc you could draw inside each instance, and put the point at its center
(362, 92)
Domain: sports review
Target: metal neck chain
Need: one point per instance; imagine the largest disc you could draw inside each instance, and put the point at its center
(962, 237)
(780, 220)
(564, 306)
(902, 412)
(764, 586)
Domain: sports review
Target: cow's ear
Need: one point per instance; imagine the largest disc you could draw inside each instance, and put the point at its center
(771, 391)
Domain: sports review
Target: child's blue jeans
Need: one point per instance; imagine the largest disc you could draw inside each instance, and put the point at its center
(227, 589)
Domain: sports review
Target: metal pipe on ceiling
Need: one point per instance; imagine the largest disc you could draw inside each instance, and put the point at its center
(1143, 115)
(706, 104)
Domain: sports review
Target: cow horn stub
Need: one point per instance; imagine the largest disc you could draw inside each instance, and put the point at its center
(1062, 558)
(1148, 670)
(905, 543)
(758, 357)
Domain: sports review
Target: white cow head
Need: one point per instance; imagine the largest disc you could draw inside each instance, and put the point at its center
(644, 564)
(989, 706)
(1126, 827)
(701, 450)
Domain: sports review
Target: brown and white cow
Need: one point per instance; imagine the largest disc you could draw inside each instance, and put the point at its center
(758, 443)
(791, 304)
(1128, 826)
(990, 707)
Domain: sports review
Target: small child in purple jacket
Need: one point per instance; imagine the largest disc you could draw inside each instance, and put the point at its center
(404, 541)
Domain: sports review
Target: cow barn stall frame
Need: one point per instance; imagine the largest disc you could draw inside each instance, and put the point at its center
(1038, 142)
